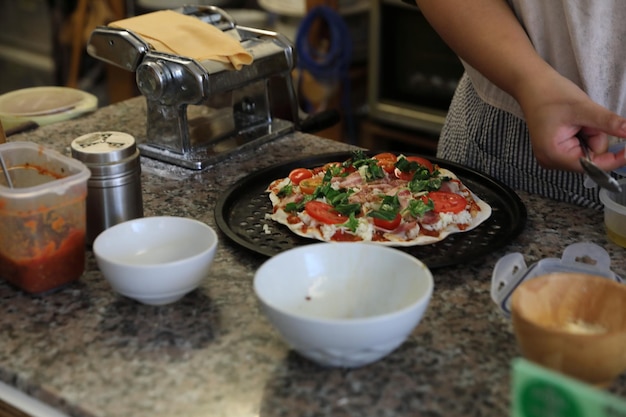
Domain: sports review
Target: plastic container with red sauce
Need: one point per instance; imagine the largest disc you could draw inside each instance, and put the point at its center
(42, 218)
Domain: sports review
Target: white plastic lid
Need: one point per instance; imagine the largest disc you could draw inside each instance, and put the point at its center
(511, 270)
(44, 105)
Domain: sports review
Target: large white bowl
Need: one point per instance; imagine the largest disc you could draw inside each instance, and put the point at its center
(156, 260)
(344, 304)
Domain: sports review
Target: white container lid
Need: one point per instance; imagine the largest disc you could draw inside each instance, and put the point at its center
(511, 270)
(44, 105)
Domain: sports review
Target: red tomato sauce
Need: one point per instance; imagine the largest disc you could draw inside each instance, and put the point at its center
(426, 232)
(293, 219)
(53, 267)
(378, 236)
(340, 236)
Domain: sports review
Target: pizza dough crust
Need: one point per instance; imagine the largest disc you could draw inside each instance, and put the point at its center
(313, 232)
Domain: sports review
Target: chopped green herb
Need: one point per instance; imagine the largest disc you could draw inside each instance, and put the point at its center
(417, 185)
(328, 175)
(404, 165)
(367, 167)
(334, 171)
(374, 170)
(290, 207)
(299, 206)
(388, 209)
(423, 179)
(352, 224)
(285, 191)
(418, 207)
(322, 190)
(337, 198)
(358, 156)
(348, 209)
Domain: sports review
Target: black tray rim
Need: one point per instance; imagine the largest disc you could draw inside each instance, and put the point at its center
(518, 212)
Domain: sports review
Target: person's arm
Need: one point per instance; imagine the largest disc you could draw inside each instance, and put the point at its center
(488, 36)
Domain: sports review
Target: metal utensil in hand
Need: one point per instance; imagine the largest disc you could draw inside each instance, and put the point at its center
(598, 175)
(3, 139)
(6, 172)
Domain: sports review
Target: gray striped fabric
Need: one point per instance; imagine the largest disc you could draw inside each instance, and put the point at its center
(497, 143)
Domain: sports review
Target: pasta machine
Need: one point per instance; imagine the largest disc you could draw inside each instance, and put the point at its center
(199, 112)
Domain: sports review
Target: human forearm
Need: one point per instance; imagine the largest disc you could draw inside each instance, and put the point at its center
(487, 35)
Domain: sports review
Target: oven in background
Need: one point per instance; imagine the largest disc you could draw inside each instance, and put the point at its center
(412, 74)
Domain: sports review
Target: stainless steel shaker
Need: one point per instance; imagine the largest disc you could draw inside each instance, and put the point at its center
(114, 188)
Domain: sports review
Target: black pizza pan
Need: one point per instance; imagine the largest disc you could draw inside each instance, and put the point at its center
(241, 211)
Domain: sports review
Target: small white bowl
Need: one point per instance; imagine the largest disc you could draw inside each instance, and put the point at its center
(156, 260)
(344, 304)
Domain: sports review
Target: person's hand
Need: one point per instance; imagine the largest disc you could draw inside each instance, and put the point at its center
(556, 110)
(487, 35)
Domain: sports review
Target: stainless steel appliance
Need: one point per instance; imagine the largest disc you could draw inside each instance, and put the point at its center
(200, 112)
(412, 73)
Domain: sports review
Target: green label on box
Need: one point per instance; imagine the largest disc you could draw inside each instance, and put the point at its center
(540, 392)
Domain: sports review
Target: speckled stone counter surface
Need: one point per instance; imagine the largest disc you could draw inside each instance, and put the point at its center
(89, 352)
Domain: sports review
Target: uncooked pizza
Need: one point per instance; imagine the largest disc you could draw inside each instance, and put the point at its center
(388, 198)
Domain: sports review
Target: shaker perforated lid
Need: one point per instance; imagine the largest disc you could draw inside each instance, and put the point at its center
(103, 147)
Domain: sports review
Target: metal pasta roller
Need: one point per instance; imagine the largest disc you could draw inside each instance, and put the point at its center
(199, 112)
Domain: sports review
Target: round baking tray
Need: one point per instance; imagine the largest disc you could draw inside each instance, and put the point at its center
(241, 214)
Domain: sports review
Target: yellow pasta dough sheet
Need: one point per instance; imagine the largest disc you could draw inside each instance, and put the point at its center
(175, 33)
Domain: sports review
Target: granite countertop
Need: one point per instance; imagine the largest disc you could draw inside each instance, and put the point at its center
(89, 352)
